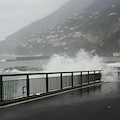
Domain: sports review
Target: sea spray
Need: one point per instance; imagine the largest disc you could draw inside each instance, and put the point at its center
(83, 61)
(110, 72)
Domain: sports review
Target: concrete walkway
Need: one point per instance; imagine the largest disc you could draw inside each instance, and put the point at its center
(100, 102)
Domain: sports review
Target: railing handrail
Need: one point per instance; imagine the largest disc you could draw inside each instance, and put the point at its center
(39, 73)
(63, 78)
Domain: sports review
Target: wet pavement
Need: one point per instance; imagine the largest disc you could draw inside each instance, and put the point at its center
(99, 102)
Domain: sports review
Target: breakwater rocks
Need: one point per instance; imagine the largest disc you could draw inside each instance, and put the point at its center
(26, 58)
(22, 68)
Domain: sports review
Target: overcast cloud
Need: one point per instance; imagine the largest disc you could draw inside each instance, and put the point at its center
(15, 14)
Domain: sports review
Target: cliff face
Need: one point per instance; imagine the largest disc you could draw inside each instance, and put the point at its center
(94, 27)
(103, 29)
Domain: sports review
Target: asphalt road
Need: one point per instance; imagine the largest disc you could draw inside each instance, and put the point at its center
(101, 102)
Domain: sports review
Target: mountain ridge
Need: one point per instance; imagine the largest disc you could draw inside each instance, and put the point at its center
(92, 27)
(24, 33)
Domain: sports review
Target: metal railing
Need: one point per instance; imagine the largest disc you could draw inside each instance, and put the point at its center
(13, 86)
(119, 73)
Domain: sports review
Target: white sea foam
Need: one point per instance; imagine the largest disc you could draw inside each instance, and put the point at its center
(117, 64)
(82, 61)
(3, 60)
(110, 72)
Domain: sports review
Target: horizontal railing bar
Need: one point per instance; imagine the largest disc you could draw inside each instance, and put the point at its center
(12, 89)
(42, 73)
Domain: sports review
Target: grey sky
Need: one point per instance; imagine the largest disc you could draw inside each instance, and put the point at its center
(15, 14)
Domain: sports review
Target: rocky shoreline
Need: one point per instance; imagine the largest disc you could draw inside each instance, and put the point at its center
(23, 68)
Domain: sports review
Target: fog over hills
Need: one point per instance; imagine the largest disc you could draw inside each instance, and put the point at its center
(90, 24)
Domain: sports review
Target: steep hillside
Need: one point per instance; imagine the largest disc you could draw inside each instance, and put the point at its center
(104, 29)
(24, 34)
(90, 24)
(96, 28)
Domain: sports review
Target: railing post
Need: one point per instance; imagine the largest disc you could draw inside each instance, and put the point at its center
(88, 77)
(28, 86)
(81, 78)
(72, 78)
(118, 73)
(94, 77)
(46, 83)
(1, 89)
(100, 76)
(61, 82)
